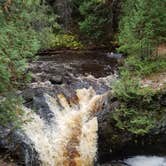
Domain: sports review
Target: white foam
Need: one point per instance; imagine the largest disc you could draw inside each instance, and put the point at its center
(146, 161)
(71, 138)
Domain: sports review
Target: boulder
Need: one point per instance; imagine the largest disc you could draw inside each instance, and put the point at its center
(58, 79)
(17, 144)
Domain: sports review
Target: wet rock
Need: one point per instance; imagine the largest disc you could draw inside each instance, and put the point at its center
(9, 162)
(17, 144)
(110, 139)
(42, 108)
(25, 149)
(4, 132)
(118, 57)
(114, 55)
(35, 99)
(56, 79)
(35, 78)
(29, 93)
(114, 163)
(163, 100)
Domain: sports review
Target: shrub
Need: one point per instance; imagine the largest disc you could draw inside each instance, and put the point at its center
(134, 121)
(19, 41)
(138, 67)
(141, 31)
(10, 111)
(139, 108)
(65, 41)
(128, 88)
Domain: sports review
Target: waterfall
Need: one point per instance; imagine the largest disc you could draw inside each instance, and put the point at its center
(71, 136)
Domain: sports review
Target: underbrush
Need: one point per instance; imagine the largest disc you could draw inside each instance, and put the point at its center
(10, 111)
(139, 109)
(22, 24)
(143, 67)
(65, 41)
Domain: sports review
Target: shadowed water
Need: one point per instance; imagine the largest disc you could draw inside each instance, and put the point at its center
(93, 63)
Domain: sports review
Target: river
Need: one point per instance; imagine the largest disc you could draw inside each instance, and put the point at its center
(69, 91)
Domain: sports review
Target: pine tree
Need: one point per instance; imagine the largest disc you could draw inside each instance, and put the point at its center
(143, 23)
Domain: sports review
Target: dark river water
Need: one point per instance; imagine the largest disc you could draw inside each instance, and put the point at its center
(93, 63)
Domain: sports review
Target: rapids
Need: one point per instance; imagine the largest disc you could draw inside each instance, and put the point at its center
(146, 161)
(70, 138)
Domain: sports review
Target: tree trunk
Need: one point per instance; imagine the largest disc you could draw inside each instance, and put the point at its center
(63, 9)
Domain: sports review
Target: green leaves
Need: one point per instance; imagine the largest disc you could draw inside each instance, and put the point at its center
(142, 25)
(141, 31)
(139, 105)
(65, 41)
(96, 17)
(19, 41)
(16, 44)
(132, 120)
(10, 110)
(21, 38)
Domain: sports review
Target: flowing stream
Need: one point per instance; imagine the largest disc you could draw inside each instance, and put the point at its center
(69, 137)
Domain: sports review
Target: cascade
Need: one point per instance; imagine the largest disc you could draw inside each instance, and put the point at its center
(71, 136)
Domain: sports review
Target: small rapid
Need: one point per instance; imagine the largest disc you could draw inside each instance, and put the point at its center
(70, 139)
(146, 161)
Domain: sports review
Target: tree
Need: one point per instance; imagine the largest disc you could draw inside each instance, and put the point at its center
(19, 41)
(97, 19)
(63, 9)
(142, 24)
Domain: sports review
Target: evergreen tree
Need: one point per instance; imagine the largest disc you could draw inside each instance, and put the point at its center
(142, 25)
(22, 23)
(95, 19)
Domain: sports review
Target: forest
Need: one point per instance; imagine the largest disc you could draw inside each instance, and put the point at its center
(82, 82)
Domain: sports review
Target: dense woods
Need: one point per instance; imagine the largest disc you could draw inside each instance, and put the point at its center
(29, 26)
